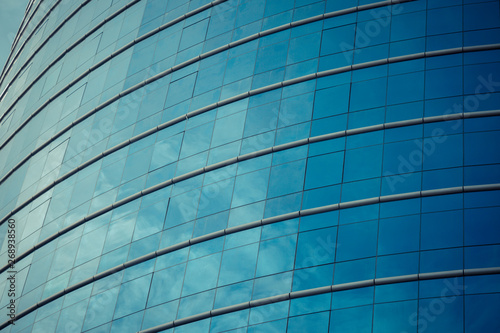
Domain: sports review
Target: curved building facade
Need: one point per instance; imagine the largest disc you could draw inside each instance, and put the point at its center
(251, 166)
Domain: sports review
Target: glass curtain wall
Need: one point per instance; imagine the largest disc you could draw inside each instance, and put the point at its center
(251, 166)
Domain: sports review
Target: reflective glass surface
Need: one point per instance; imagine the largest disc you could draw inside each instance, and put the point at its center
(162, 159)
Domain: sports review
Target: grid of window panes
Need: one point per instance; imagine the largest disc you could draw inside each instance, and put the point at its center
(50, 91)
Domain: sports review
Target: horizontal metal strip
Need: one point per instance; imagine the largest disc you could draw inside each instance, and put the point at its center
(100, 63)
(250, 225)
(29, 11)
(265, 151)
(18, 52)
(323, 290)
(180, 66)
(86, 35)
(262, 301)
(402, 123)
(226, 101)
(48, 67)
(23, 26)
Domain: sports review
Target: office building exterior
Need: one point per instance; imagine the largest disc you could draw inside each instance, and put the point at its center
(251, 166)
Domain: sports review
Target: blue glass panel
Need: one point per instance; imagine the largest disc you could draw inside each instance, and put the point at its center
(399, 92)
(358, 214)
(441, 230)
(279, 182)
(482, 256)
(337, 40)
(368, 94)
(238, 264)
(321, 197)
(354, 270)
(310, 304)
(441, 260)
(351, 298)
(443, 82)
(204, 226)
(476, 152)
(100, 309)
(193, 143)
(481, 311)
(352, 320)
(480, 16)
(400, 234)
(228, 129)
(317, 322)
(261, 119)
(357, 240)
(279, 229)
(197, 303)
(271, 57)
(256, 181)
(249, 12)
(166, 277)
(273, 326)
(295, 110)
(438, 314)
(408, 26)
(272, 285)
(396, 292)
(233, 294)
(161, 314)
(240, 67)
(395, 317)
(397, 264)
(363, 163)
(201, 274)
(476, 285)
(128, 324)
(276, 255)
(304, 48)
(324, 170)
(215, 197)
(229, 321)
(481, 226)
(443, 151)
(180, 90)
(445, 20)
(316, 247)
(150, 220)
(314, 277)
(180, 208)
